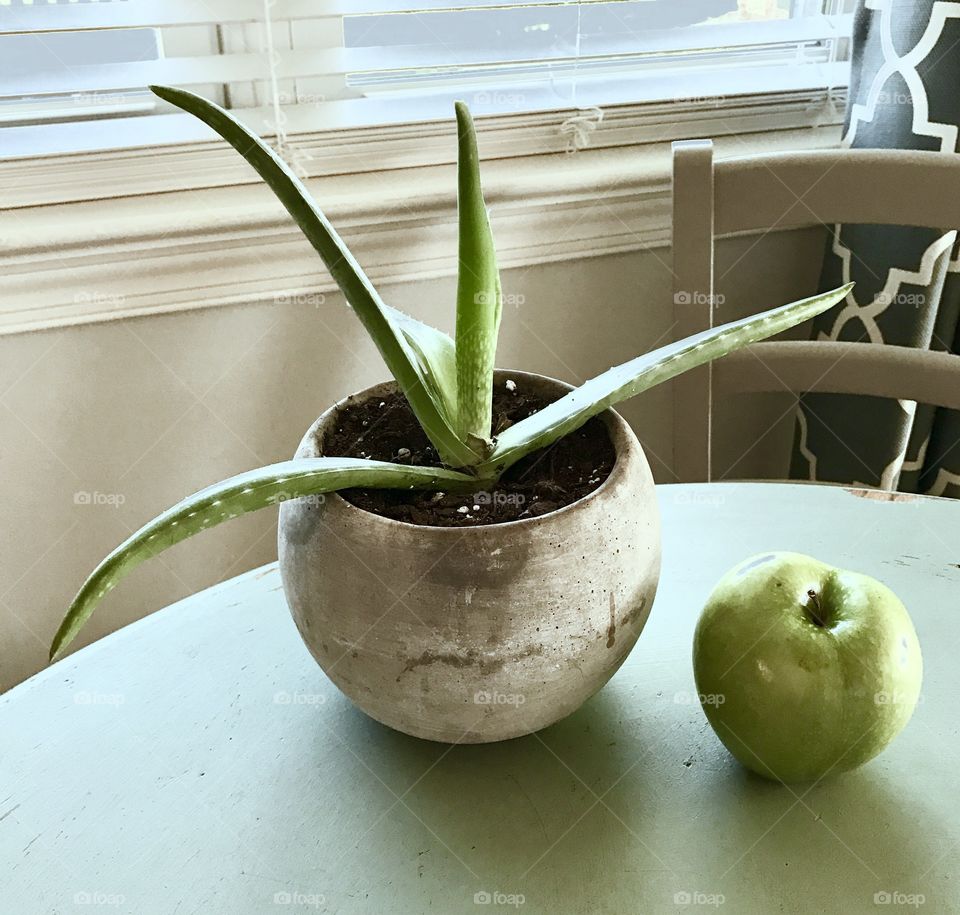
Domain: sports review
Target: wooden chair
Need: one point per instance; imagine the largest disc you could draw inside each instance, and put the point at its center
(783, 191)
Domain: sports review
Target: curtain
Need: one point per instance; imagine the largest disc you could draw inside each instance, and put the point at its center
(904, 94)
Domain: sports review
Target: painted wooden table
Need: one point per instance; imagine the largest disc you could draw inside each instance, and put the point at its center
(200, 762)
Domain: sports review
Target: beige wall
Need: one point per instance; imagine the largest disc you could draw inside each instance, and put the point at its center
(145, 411)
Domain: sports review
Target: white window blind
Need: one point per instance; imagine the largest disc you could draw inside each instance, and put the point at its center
(73, 75)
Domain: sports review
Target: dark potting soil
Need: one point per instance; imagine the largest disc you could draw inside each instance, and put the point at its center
(544, 481)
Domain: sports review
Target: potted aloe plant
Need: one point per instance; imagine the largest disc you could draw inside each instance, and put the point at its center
(468, 553)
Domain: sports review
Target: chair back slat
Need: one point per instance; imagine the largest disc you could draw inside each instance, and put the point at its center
(828, 366)
(863, 186)
(786, 191)
(692, 245)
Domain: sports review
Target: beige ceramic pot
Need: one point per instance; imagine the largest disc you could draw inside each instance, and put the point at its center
(476, 634)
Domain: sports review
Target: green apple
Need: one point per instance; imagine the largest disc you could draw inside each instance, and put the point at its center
(804, 669)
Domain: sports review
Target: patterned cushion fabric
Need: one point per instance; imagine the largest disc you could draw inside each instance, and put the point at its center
(903, 95)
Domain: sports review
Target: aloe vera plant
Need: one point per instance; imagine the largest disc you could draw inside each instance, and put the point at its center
(447, 383)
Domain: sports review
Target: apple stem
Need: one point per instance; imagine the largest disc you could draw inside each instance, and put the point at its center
(814, 610)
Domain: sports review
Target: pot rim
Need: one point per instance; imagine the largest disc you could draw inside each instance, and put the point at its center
(622, 437)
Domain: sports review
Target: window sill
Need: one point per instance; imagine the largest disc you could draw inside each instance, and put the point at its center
(32, 180)
(100, 256)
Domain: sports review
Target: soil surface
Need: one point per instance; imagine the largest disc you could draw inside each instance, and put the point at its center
(544, 481)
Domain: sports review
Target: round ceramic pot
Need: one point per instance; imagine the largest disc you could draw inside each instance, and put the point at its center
(474, 634)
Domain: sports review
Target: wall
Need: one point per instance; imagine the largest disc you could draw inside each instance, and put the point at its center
(104, 425)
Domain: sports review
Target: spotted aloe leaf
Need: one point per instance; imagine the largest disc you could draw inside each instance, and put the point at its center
(479, 299)
(239, 495)
(415, 366)
(574, 409)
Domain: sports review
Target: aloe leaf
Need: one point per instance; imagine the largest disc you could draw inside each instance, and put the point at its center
(479, 298)
(624, 381)
(410, 372)
(438, 360)
(235, 496)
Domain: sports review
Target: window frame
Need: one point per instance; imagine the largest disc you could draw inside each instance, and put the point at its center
(294, 126)
(85, 213)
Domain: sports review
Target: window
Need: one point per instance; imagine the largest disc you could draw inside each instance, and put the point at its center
(42, 69)
(593, 52)
(75, 73)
